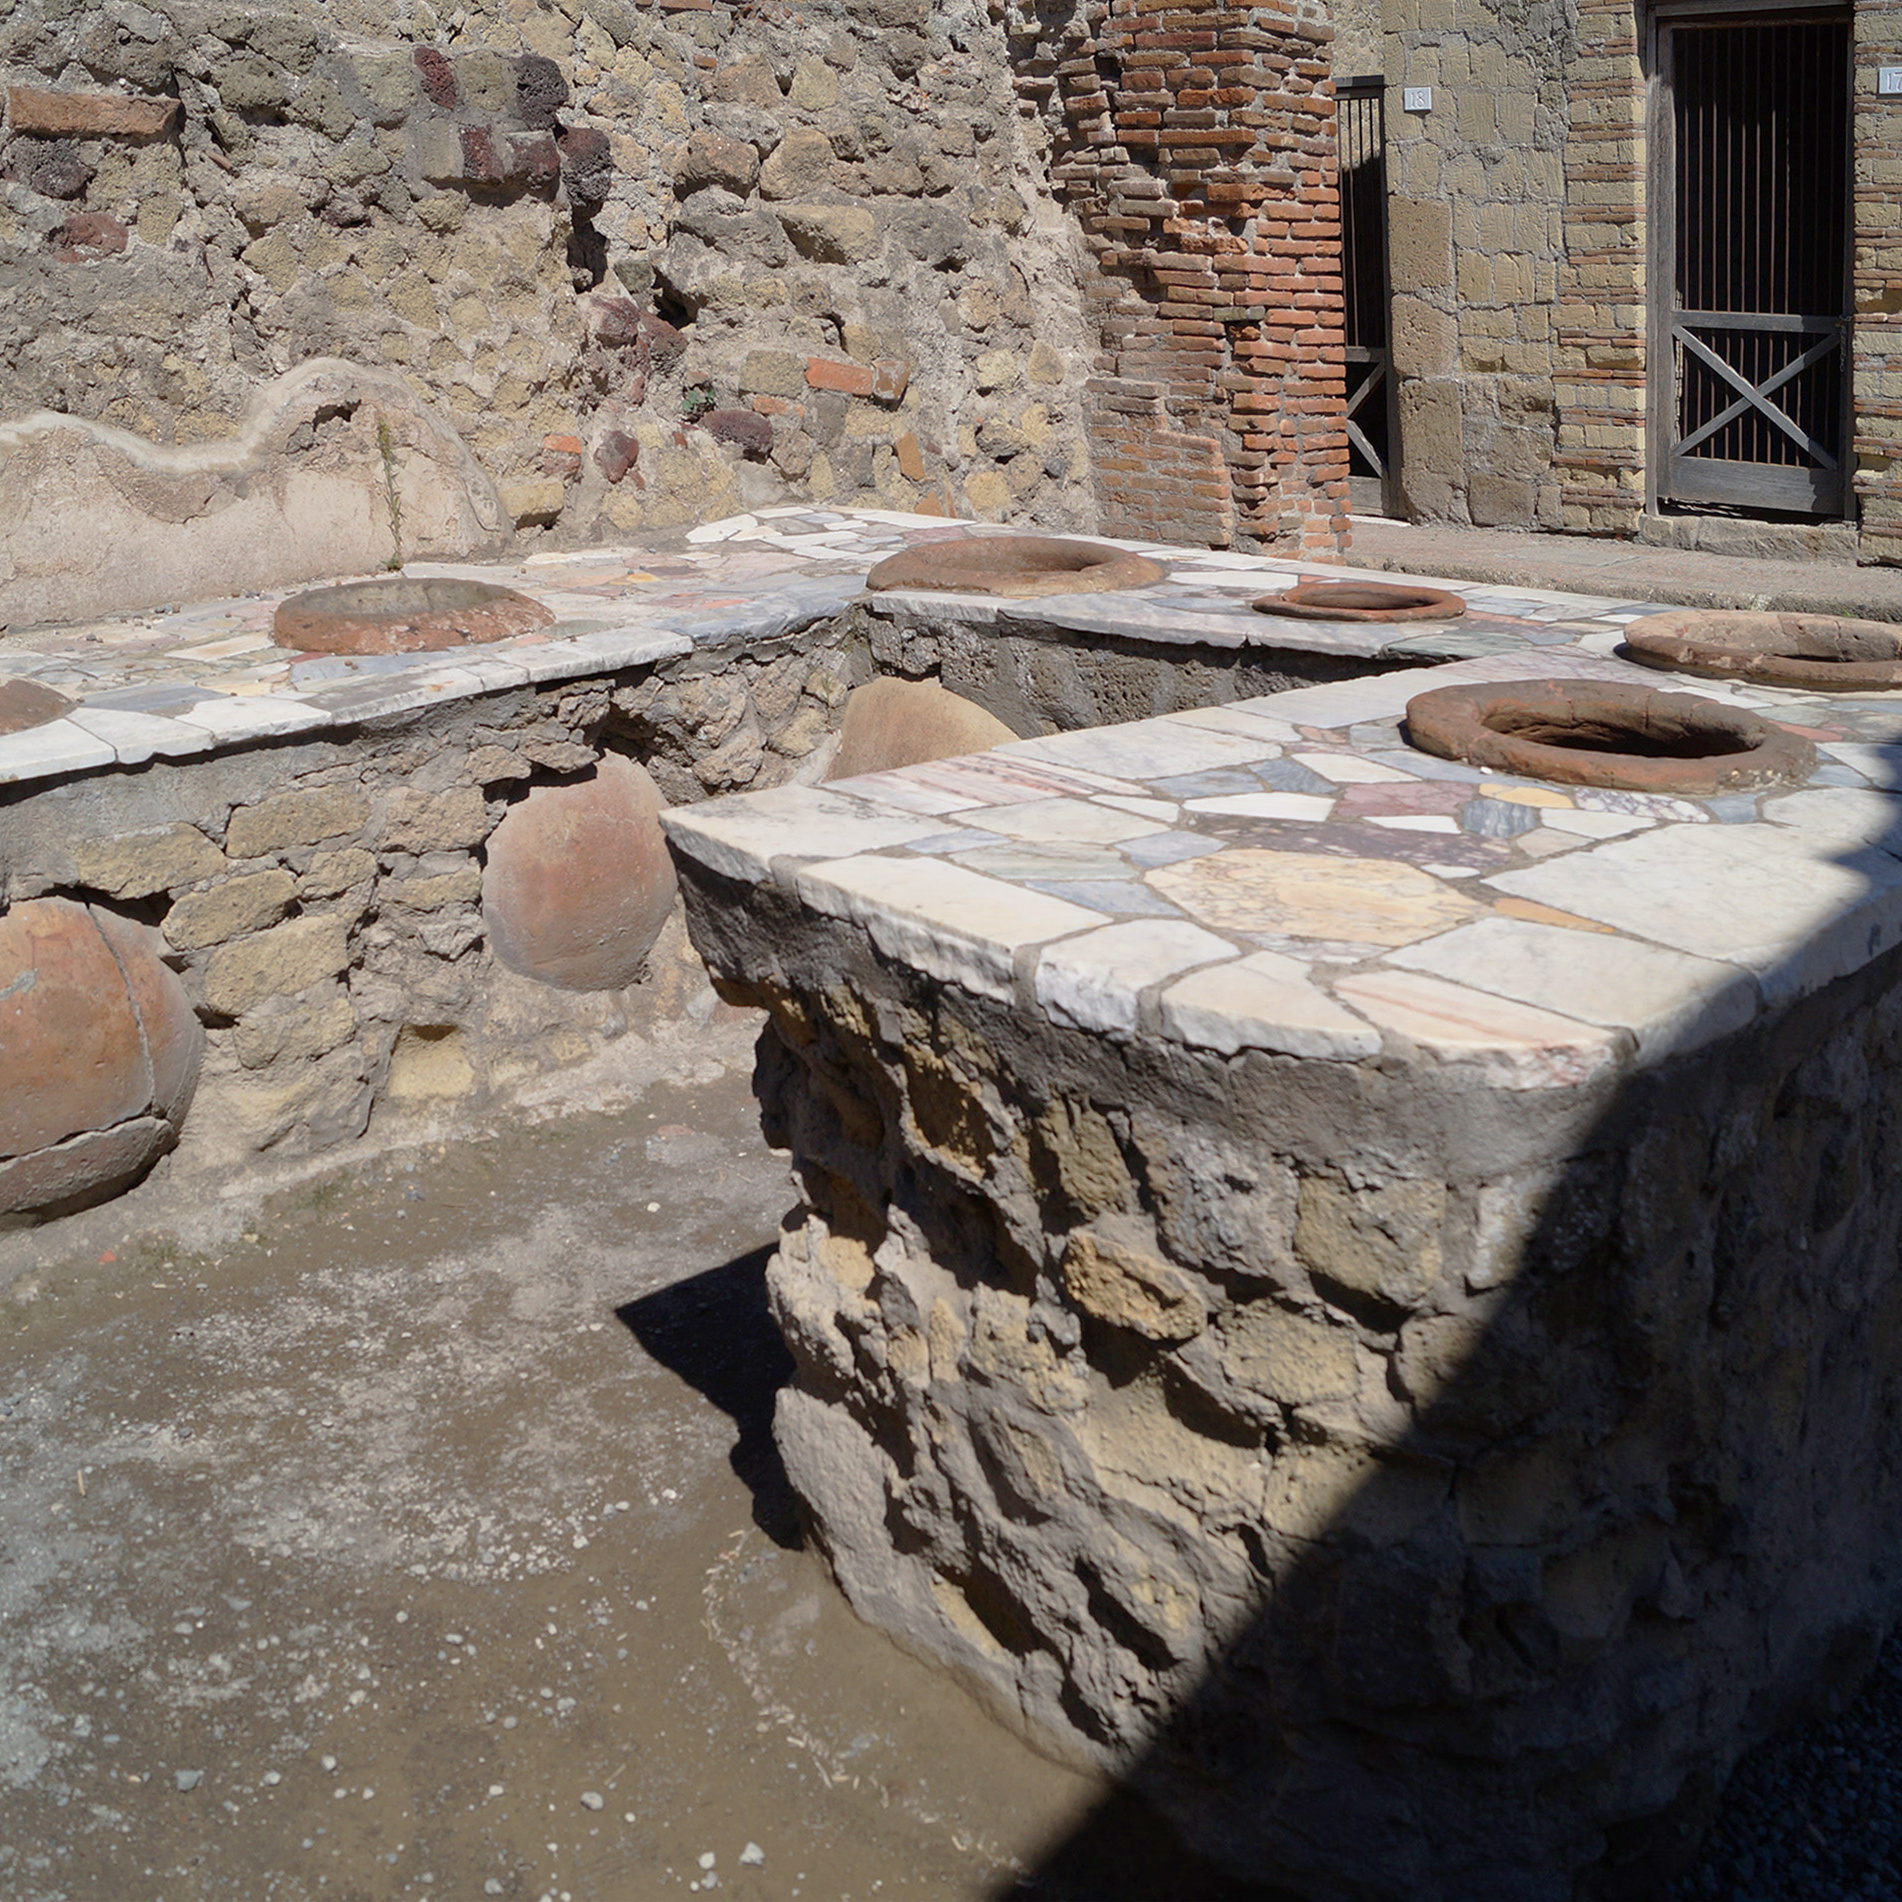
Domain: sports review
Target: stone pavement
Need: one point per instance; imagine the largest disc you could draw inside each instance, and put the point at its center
(1685, 577)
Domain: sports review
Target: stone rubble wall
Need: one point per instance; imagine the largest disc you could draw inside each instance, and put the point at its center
(423, 914)
(1424, 1491)
(1042, 678)
(651, 264)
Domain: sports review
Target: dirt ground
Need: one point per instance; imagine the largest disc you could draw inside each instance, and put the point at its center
(413, 1529)
(416, 1531)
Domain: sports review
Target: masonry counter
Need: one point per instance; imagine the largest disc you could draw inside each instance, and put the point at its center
(1358, 1290)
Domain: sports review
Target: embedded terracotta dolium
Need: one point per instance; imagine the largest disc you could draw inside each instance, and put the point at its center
(404, 615)
(1018, 566)
(1598, 733)
(25, 703)
(1815, 651)
(1360, 601)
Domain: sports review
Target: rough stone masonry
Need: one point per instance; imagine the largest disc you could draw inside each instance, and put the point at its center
(609, 267)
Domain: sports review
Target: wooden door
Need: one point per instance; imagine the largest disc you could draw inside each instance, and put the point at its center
(1751, 373)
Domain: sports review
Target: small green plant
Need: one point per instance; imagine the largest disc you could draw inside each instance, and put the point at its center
(386, 448)
(696, 401)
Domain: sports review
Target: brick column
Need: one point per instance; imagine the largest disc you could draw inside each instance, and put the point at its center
(1195, 144)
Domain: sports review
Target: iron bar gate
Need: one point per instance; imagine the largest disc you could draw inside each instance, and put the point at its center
(1755, 402)
(1362, 135)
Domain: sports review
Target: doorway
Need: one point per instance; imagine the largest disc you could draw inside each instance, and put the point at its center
(1750, 397)
(1371, 435)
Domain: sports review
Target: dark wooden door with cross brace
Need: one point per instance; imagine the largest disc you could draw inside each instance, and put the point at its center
(1751, 388)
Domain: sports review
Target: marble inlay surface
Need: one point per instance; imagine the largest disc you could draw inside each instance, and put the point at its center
(205, 677)
(1286, 874)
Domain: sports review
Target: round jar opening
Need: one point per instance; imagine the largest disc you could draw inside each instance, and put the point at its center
(405, 614)
(1603, 733)
(1015, 566)
(1824, 652)
(1361, 601)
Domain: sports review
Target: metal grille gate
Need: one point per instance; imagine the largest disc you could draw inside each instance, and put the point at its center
(1362, 135)
(1755, 411)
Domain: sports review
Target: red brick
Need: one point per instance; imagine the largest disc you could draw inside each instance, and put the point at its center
(826, 373)
(88, 115)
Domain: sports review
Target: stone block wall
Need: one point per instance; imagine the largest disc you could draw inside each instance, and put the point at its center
(1424, 1490)
(1876, 348)
(1477, 195)
(422, 914)
(1194, 143)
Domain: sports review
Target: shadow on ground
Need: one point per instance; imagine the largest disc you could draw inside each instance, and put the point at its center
(715, 1332)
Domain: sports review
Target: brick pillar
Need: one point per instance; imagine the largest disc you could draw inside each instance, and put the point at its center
(1195, 144)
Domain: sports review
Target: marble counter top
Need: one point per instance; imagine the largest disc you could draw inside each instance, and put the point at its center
(1287, 874)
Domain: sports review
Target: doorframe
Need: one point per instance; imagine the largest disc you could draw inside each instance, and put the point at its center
(1661, 221)
(1376, 86)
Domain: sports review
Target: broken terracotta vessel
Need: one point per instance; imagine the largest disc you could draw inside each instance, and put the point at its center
(25, 703)
(99, 1054)
(404, 615)
(1601, 733)
(1016, 566)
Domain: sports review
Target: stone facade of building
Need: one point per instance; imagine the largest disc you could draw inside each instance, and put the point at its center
(1525, 248)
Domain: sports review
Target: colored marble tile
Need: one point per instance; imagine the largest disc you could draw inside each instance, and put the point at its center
(943, 920)
(1547, 796)
(1369, 901)
(1143, 749)
(1264, 1001)
(57, 747)
(1643, 805)
(1225, 783)
(1034, 859)
(1584, 823)
(1292, 776)
(1306, 807)
(253, 717)
(1169, 848)
(1120, 896)
(1837, 818)
(1508, 1045)
(1427, 766)
(1095, 981)
(999, 778)
(1668, 1000)
(1079, 821)
(1164, 809)
(1765, 898)
(1408, 796)
(136, 737)
(1497, 819)
(943, 844)
(1414, 822)
(740, 838)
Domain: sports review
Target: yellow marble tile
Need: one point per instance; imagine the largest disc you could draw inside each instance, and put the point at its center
(1304, 895)
(1526, 795)
(1536, 914)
